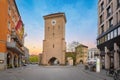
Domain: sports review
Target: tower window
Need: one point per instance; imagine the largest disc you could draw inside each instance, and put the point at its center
(53, 34)
(58, 27)
(48, 28)
(53, 45)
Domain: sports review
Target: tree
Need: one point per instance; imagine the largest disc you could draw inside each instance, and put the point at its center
(71, 46)
(34, 58)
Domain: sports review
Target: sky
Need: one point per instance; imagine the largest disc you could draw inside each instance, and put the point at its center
(81, 23)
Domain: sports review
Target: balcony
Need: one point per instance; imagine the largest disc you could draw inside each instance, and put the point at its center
(16, 38)
(13, 47)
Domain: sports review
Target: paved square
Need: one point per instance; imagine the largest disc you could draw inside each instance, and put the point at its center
(35, 72)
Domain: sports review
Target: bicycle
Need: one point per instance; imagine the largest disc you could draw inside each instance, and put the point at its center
(116, 75)
(110, 72)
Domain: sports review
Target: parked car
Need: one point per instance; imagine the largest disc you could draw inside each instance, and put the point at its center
(91, 61)
(92, 67)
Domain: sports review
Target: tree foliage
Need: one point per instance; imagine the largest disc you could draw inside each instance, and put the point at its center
(34, 58)
(71, 46)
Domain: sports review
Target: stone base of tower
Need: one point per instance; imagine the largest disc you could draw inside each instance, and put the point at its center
(46, 60)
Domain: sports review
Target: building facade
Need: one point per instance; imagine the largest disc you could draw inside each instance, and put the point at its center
(26, 56)
(108, 40)
(93, 53)
(11, 35)
(81, 54)
(70, 56)
(54, 45)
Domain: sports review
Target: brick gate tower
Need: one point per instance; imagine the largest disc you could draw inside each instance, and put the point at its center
(54, 45)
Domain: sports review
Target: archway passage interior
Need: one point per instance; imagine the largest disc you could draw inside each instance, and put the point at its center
(81, 62)
(53, 61)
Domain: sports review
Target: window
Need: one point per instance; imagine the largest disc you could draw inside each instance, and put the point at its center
(108, 1)
(111, 34)
(48, 28)
(115, 33)
(111, 22)
(9, 26)
(118, 3)
(53, 46)
(102, 6)
(8, 38)
(117, 18)
(101, 19)
(98, 42)
(108, 36)
(58, 27)
(9, 1)
(109, 11)
(102, 29)
(53, 34)
(9, 10)
(13, 19)
(103, 39)
(119, 31)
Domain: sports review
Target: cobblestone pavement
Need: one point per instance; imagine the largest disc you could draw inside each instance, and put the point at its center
(35, 72)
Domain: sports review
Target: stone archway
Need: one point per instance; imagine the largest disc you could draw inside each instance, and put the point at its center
(81, 62)
(9, 60)
(53, 61)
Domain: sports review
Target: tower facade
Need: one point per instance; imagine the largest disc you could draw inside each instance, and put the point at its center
(54, 45)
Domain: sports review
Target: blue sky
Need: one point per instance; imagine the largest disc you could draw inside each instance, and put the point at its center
(81, 23)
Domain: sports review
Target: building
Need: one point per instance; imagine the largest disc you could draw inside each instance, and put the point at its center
(11, 35)
(93, 53)
(108, 40)
(81, 54)
(70, 56)
(54, 45)
(26, 56)
(40, 59)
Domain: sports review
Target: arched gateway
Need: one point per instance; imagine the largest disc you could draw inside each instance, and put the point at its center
(54, 42)
(53, 61)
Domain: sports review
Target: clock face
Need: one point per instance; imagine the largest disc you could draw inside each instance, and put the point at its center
(53, 22)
